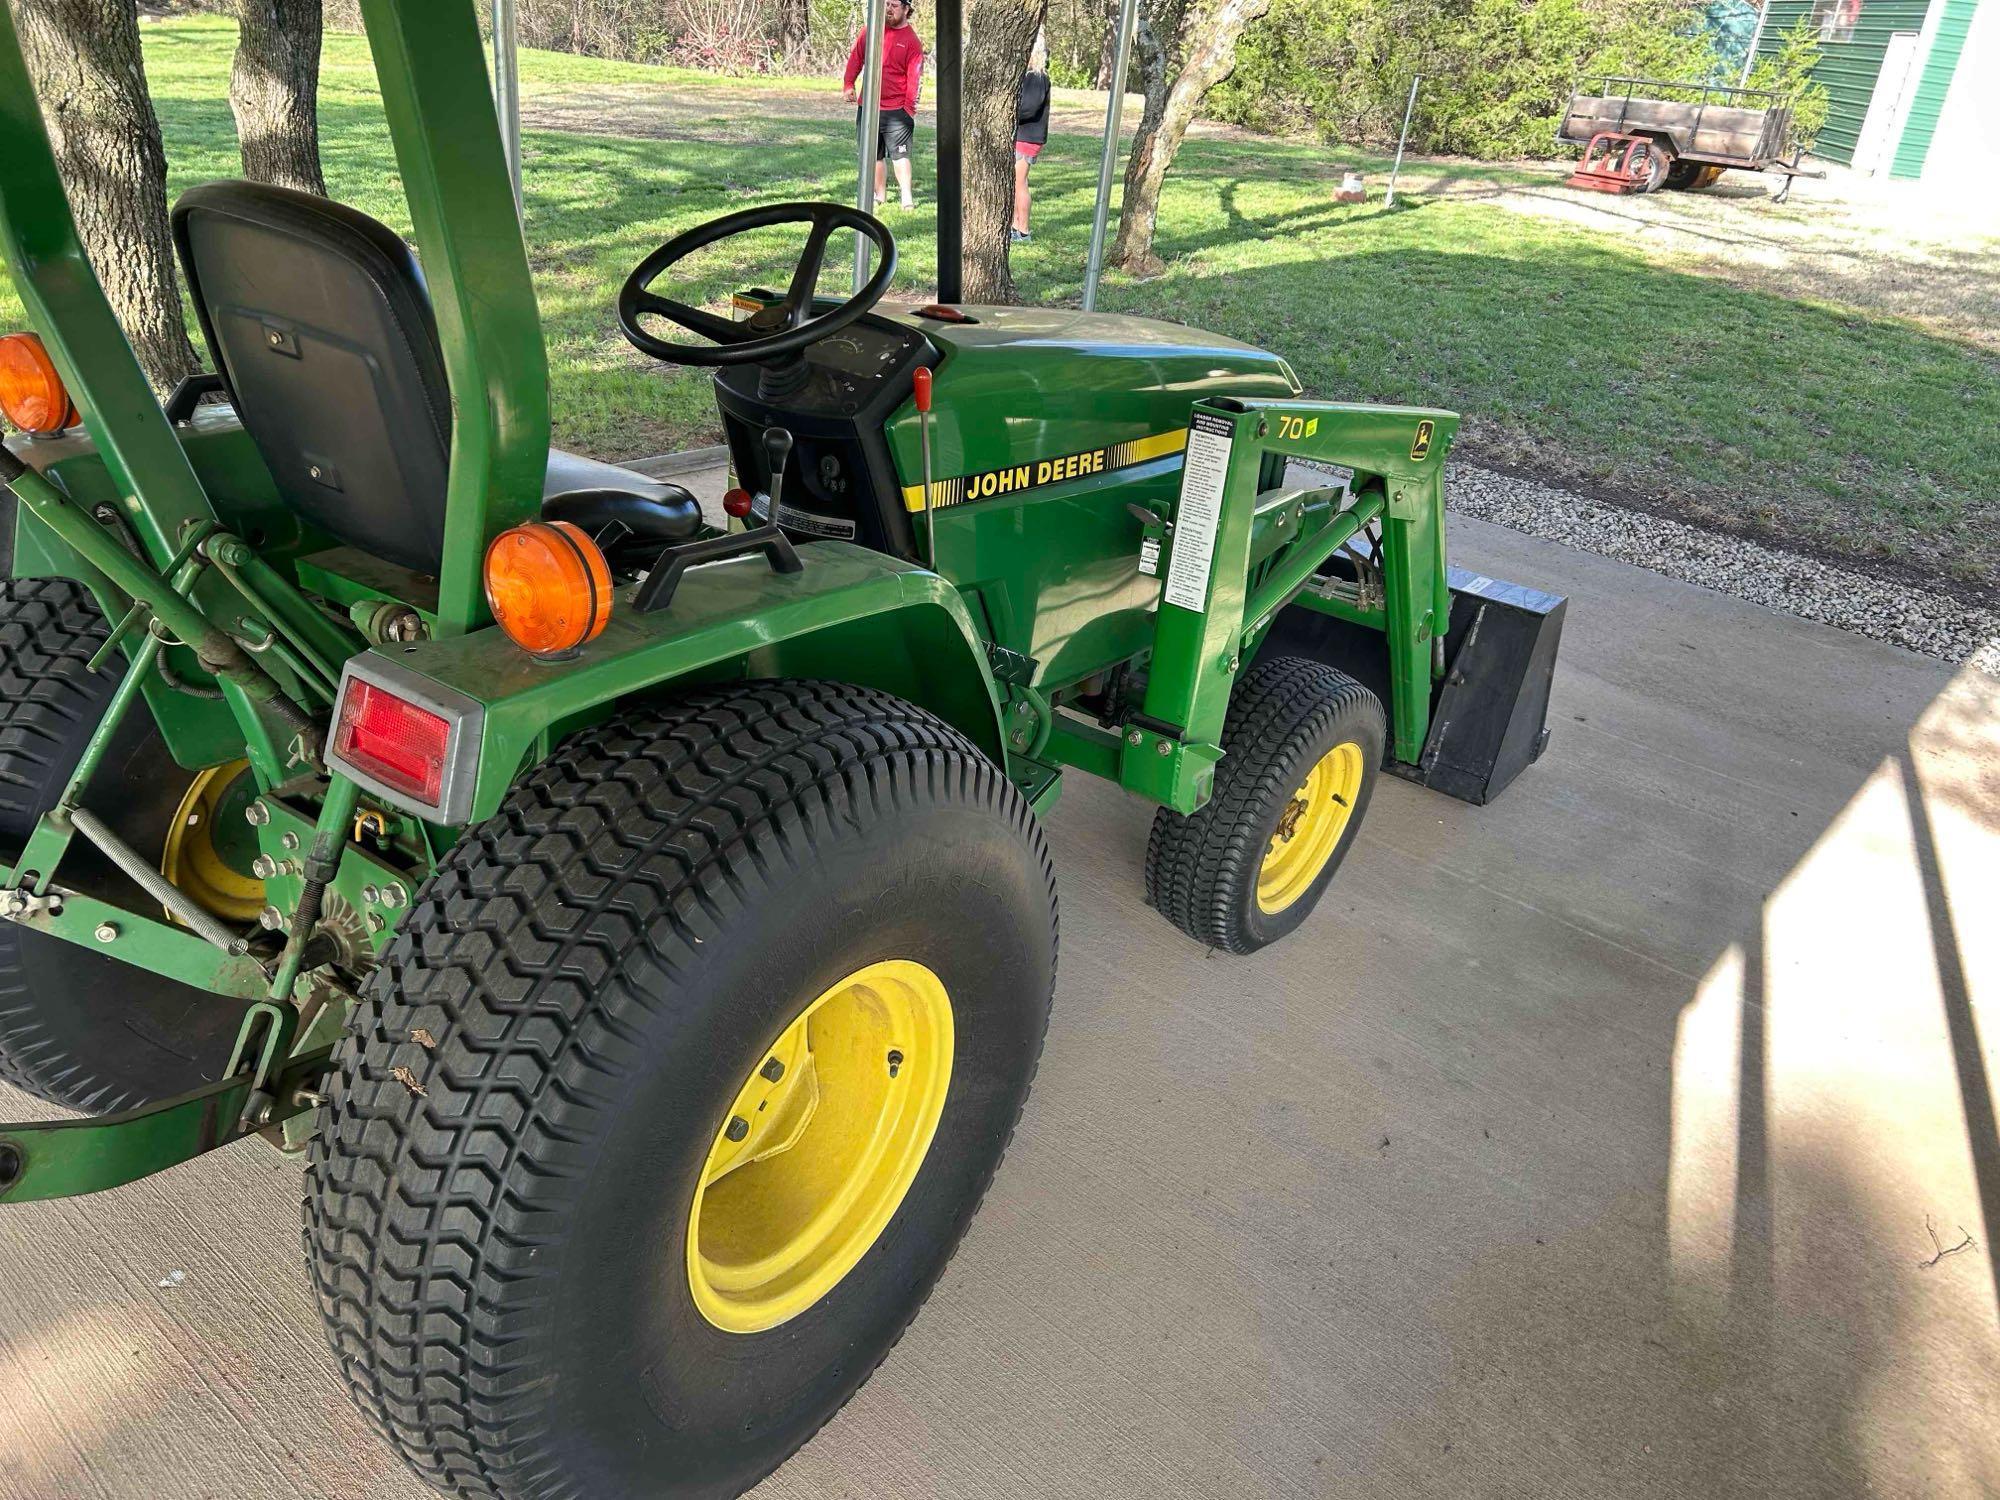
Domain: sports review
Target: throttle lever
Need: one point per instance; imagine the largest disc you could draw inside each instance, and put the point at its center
(777, 452)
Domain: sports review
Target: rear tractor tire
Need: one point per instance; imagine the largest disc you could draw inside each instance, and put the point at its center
(675, 1091)
(1300, 751)
(78, 1027)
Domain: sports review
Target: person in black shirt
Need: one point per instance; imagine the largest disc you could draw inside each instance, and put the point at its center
(1031, 133)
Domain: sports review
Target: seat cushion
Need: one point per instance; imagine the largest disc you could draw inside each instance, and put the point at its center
(620, 509)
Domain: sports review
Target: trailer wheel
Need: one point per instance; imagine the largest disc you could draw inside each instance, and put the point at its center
(1300, 749)
(676, 1090)
(1648, 167)
(78, 1027)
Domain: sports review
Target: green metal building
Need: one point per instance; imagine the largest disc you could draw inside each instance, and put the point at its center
(1911, 84)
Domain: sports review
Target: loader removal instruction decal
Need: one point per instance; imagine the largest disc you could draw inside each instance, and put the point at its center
(1195, 518)
(1012, 480)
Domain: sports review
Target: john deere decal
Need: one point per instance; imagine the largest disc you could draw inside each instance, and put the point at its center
(1012, 480)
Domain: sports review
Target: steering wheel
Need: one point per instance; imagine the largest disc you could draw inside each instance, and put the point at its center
(732, 343)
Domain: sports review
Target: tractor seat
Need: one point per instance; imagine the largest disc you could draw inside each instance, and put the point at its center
(321, 327)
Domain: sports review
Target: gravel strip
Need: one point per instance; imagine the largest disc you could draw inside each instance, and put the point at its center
(1914, 618)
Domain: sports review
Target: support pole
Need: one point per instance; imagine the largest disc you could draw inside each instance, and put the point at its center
(1409, 109)
(866, 125)
(1128, 15)
(1756, 36)
(507, 90)
(950, 150)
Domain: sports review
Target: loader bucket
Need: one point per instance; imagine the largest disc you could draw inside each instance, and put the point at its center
(1489, 712)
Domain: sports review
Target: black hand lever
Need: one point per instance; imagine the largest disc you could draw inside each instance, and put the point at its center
(777, 451)
(657, 592)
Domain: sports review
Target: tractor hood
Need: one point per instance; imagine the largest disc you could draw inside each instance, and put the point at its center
(1065, 394)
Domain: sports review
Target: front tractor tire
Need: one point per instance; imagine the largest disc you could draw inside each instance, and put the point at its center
(676, 1090)
(1300, 750)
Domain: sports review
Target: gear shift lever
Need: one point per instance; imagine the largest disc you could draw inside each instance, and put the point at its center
(658, 589)
(777, 452)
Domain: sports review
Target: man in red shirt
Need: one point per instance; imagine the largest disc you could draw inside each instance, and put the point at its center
(902, 55)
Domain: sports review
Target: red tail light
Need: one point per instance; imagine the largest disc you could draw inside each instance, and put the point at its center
(400, 744)
(407, 737)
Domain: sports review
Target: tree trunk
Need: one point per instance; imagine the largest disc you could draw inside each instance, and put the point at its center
(274, 92)
(85, 59)
(1209, 32)
(999, 36)
(1107, 57)
(794, 30)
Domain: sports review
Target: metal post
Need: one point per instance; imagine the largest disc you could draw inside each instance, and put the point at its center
(1389, 198)
(950, 42)
(1756, 36)
(1128, 15)
(507, 90)
(866, 124)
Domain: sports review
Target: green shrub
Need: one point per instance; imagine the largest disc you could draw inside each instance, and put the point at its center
(1496, 73)
(1788, 73)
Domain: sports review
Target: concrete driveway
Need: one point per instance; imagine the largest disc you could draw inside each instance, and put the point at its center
(1582, 1145)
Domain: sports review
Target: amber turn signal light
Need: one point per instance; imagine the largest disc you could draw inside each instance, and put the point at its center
(548, 586)
(31, 392)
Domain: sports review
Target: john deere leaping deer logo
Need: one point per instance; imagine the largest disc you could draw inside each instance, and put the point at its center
(1420, 445)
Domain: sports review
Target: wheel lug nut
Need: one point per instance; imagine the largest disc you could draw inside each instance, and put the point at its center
(263, 867)
(773, 1070)
(737, 1128)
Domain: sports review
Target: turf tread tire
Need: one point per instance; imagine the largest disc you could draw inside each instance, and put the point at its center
(434, 1222)
(79, 1028)
(1201, 870)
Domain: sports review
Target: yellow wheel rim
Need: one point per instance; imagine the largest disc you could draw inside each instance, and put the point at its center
(1310, 827)
(819, 1147)
(192, 859)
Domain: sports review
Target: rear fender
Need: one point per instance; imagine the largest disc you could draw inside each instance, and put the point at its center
(851, 615)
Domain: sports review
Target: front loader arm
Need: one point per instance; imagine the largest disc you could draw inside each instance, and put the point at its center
(1218, 597)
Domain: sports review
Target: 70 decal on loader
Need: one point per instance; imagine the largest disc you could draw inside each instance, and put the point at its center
(642, 922)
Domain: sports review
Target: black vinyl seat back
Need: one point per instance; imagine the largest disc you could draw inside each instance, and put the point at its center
(320, 325)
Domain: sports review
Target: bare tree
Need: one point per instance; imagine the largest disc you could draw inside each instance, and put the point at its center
(1000, 34)
(794, 30)
(274, 92)
(1107, 55)
(1184, 49)
(91, 77)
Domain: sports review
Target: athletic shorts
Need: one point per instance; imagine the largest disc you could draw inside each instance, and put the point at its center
(892, 135)
(1027, 150)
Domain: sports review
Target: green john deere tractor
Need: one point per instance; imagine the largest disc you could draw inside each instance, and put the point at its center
(642, 919)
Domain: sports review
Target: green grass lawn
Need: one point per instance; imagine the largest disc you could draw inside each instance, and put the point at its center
(1570, 353)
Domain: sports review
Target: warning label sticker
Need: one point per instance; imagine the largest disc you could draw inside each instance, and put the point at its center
(840, 528)
(1195, 519)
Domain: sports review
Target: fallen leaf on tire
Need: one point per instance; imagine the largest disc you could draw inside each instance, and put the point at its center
(407, 1079)
(423, 1039)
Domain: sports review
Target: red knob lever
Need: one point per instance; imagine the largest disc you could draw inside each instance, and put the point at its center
(922, 380)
